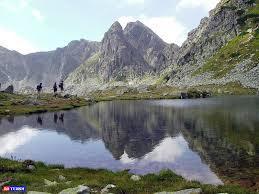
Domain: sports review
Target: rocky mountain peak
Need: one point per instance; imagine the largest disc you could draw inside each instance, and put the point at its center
(116, 27)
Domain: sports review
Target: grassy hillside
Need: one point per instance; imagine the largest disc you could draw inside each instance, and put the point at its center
(244, 47)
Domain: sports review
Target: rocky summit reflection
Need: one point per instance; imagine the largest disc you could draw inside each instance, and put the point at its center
(191, 137)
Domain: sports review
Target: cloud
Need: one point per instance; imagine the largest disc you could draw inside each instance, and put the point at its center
(21, 6)
(37, 14)
(207, 5)
(168, 28)
(13, 140)
(13, 41)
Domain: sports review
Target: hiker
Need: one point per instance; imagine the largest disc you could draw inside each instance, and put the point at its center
(55, 89)
(55, 118)
(61, 86)
(39, 88)
(61, 117)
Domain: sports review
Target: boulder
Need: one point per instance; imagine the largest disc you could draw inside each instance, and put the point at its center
(67, 96)
(9, 89)
(183, 95)
(29, 164)
(31, 167)
(80, 189)
(189, 191)
(50, 183)
(106, 189)
(61, 178)
(135, 177)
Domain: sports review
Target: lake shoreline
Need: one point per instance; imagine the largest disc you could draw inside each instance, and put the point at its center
(10, 168)
(38, 176)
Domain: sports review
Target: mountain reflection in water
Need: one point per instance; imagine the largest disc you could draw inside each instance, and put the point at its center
(198, 139)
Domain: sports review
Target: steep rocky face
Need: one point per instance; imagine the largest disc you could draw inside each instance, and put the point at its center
(212, 33)
(222, 50)
(150, 45)
(45, 67)
(119, 59)
(12, 66)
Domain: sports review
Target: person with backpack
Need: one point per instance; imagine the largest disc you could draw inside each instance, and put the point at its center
(55, 89)
(39, 89)
(61, 86)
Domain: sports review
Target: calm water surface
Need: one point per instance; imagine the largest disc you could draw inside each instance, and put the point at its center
(203, 139)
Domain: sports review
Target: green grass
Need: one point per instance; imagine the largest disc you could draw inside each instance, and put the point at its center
(232, 88)
(15, 104)
(240, 48)
(97, 179)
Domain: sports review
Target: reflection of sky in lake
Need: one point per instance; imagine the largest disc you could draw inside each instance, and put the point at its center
(191, 137)
(51, 147)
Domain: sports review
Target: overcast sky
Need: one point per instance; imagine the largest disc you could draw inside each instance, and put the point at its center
(40, 25)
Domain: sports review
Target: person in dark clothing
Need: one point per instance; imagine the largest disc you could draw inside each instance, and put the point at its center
(61, 86)
(55, 89)
(61, 117)
(39, 89)
(39, 120)
(55, 118)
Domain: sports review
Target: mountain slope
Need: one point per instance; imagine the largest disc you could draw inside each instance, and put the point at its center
(223, 49)
(45, 67)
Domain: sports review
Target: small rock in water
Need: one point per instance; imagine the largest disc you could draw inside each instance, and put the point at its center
(135, 177)
(37, 192)
(80, 189)
(61, 178)
(49, 183)
(107, 188)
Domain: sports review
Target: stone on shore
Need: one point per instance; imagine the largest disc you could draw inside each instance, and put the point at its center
(80, 189)
(106, 189)
(135, 177)
(186, 191)
(9, 89)
(61, 178)
(49, 183)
